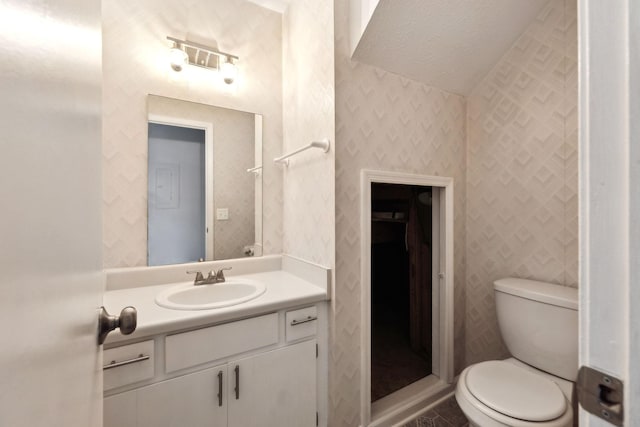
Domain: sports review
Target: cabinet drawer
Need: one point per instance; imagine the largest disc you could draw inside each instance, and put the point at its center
(217, 342)
(301, 323)
(128, 364)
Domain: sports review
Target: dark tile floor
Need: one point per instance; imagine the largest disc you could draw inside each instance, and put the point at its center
(446, 414)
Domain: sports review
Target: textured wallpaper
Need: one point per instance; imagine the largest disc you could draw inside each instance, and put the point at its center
(384, 122)
(522, 182)
(233, 154)
(135, 64)
(308, 115)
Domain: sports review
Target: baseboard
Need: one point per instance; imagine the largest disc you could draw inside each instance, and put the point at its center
(406, 404)
(426, 409)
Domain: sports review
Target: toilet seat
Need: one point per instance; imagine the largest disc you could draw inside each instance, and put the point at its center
(515, 392)
(481, 414)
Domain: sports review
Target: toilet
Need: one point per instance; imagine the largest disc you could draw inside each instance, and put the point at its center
(539, 324)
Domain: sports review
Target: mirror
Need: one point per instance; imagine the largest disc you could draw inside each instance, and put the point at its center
(204, 182)
(136, 63)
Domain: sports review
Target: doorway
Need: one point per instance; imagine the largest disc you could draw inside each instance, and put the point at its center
(176, 202)
(407, 292)
(180, 191)
(401, 286)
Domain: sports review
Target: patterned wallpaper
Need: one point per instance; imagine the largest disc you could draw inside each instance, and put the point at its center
(135, 64)
(309, 114)
(385, 122)
(522, 203)
(233, 154)
(511, 149)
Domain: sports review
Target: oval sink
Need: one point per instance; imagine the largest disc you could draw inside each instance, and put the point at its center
(186, 296)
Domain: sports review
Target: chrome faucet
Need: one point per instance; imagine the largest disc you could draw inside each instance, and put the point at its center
(212, 277)
(220, 275)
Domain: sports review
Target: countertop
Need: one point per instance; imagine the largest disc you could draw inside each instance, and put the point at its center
(283, 290)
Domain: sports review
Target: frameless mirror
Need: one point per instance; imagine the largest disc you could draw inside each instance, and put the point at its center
(204, 182)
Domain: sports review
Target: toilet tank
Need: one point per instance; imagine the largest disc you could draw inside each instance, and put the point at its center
(539, 324)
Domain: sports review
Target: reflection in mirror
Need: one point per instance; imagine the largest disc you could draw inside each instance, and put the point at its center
(204, 183)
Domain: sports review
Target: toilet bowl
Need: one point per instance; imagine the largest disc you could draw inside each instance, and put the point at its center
(538, 322)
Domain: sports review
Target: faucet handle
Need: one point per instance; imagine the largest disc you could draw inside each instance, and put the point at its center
(198, 274)
(220, 274)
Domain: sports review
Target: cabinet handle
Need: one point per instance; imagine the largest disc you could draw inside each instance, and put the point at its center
(299, 322)
(237, 389)
(220, 388)
(115, 364)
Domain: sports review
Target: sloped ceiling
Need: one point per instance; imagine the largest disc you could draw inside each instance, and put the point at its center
(449, 44)
(276, 5)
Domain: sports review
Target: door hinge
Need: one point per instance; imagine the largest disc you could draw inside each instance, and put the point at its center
(317, 351)
(601, 395)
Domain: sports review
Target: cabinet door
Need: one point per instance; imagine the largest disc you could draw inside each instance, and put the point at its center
(192, 400)
(276, 388)
(120, 410)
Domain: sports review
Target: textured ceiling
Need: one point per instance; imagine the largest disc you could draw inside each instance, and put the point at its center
(449, 44)
(277, 5)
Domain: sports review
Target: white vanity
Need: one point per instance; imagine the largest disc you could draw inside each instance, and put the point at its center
(260, 362)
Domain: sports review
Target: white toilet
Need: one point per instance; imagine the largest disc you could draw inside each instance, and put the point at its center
(539, 324)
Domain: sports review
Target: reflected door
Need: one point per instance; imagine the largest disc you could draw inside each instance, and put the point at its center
(176, 204)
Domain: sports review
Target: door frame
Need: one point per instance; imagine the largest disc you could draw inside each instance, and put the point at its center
(207, 127)
(444, 185)
(609, 151)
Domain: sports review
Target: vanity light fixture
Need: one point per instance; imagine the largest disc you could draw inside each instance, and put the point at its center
(178, 57)
(186, 52)
(228, 70)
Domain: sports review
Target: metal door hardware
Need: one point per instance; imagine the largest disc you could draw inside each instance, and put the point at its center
(601, 395)
(115, 364)
(237, 388)
(220, 388)
(127, 322)
(305, 320)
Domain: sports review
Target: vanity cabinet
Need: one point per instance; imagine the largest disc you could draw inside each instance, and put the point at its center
(188, 400)
(274, 385)
(277, 388)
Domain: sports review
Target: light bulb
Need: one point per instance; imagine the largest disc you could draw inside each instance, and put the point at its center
(229, 71)
(178, 58)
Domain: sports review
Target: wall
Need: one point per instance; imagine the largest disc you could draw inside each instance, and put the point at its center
(233, 154)
(135, 64)
(308, 115)
(384, 122)
(522, 204)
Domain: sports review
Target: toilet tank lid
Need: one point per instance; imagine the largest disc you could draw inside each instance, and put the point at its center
(561, 296)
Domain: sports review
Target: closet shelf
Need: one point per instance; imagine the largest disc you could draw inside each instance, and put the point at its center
(397, 221)
(388, 216)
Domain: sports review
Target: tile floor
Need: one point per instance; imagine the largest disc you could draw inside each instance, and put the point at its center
(446, 414)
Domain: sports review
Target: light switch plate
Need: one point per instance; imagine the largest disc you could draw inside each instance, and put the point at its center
(222, 214)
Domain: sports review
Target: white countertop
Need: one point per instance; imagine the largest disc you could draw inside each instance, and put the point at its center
(283, 290)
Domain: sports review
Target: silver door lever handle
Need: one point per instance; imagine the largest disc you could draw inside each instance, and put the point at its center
(127, 322)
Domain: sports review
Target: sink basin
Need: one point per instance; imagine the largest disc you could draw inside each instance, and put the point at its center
(186, 296)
